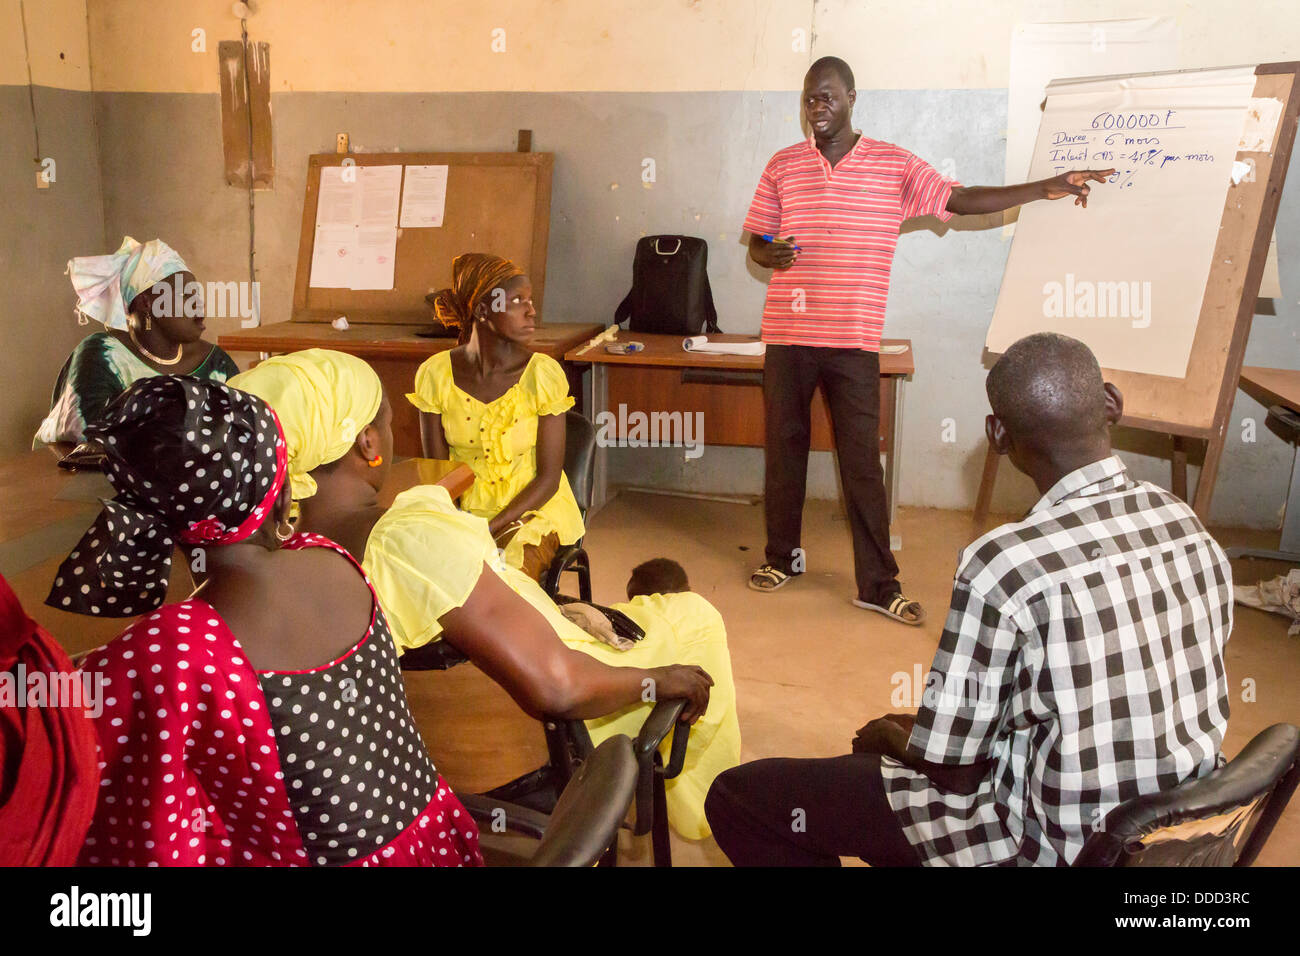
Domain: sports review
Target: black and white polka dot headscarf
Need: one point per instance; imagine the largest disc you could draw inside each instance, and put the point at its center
(193, 462)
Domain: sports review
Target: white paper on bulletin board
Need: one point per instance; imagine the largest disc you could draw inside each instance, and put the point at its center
(424, 199)
(356, 227)
(333, 256)
(1127, 274)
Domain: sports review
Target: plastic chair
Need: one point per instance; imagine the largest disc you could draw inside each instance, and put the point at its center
(568, 745)
(1222, 819)
(583, 827)
(579, 467)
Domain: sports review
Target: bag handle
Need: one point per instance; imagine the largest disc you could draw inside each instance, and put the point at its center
(710, 310)
(624, 310)
(660, 252)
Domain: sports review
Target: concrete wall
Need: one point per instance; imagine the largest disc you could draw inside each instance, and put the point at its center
(708, 90)
(42, 228)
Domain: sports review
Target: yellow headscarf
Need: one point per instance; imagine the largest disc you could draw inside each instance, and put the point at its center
(473, 275)
(324, 398)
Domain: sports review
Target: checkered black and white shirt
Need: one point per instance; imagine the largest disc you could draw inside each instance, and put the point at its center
(1083, 657)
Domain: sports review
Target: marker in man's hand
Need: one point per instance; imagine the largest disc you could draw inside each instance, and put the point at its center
(783, 242)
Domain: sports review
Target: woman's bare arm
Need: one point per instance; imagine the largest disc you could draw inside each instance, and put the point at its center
(432, 438)
(514, 644)
(550, 465)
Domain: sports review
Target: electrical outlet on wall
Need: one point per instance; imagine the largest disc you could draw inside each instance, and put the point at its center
(42, 179)
(341, 143)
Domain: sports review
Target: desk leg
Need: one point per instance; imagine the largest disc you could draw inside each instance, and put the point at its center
(1288, 548)
(891, 459)
(1178, 477)
(984, 497)
(1291, 524)
(596, 397)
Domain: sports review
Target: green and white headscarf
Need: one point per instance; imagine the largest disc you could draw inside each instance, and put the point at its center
(106, 284)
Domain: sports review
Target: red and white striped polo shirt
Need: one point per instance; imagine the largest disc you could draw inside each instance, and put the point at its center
(845, 220)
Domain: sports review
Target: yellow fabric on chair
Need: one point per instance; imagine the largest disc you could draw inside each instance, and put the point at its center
(424, 558)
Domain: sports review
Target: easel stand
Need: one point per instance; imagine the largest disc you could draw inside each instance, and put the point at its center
(1196, 408)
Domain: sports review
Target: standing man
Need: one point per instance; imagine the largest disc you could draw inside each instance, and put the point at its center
(839, 199)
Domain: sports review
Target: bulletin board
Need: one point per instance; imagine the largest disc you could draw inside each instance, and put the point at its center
(499, 203)
(1197, 404)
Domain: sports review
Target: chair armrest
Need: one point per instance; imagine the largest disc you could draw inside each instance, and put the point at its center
(663, 720)
(677, 752)
(591, 809)
(486, 811)
(563, 558)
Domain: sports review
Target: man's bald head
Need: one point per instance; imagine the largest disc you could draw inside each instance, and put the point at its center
(1047, 389)
(832, 65)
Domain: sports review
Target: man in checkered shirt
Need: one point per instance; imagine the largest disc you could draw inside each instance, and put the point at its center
(1081, 665)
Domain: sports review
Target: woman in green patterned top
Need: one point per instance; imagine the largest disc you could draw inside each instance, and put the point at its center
(152, 310)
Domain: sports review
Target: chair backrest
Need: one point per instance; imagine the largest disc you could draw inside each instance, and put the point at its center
(579, 456)
(1222, 819)
(587, 816)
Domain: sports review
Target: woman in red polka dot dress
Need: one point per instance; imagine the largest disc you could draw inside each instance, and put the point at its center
(251, 726)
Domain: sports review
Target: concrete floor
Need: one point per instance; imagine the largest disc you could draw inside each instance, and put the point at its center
(811, 669)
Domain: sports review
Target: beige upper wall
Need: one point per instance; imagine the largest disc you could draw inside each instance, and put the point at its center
(961, 44)
(422, 45)
(54, 27)
(666, 45)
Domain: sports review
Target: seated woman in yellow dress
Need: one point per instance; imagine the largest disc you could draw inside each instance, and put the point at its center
(152, 312)
(499, 407)
(439, 576)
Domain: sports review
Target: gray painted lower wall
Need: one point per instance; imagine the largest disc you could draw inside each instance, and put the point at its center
(161, 163)
(40, 229)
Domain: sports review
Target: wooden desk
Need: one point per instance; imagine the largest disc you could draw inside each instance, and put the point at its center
(455, 476)
(1279, 386)
(394, 351)
(1272, 386)
(45, 510)
(727, 389)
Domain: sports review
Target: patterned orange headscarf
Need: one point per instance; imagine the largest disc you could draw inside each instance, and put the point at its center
(473, 276)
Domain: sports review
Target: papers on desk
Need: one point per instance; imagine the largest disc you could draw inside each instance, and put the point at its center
(701, 343)
(356, 227)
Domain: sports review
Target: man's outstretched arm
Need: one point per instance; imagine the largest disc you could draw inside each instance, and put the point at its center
(978, 200)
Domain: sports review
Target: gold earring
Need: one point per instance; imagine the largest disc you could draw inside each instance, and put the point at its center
(287, 535)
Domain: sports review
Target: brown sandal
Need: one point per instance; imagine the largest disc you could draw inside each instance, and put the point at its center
(895, 609)
(768, 578)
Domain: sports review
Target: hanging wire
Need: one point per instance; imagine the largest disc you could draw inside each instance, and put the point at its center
(252, 220)
(31, 89)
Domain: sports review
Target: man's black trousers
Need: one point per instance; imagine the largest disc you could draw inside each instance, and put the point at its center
(850, 381)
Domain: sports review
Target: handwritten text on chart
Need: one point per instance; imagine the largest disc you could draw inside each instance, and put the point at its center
(1128, 141)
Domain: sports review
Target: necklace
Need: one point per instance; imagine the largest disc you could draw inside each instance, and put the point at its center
(154, 358)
